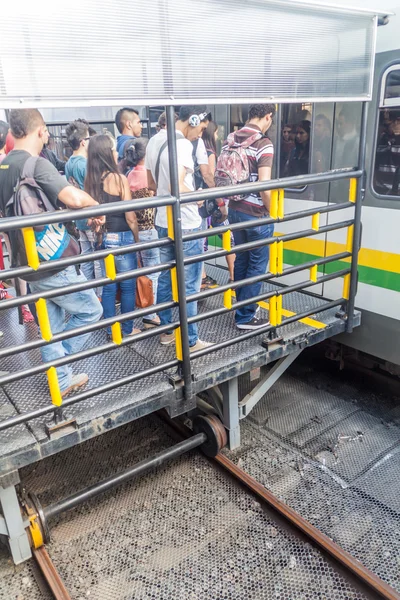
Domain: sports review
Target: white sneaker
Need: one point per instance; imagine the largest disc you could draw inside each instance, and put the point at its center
(199, 345)
(77, 382)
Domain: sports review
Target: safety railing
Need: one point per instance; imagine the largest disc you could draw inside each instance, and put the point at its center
(183, 357)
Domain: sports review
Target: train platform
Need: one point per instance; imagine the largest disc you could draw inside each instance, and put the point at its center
(26, 443)
(188, 531)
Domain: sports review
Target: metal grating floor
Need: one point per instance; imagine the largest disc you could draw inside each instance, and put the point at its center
(330, 448)
(26, 444)
(184, 532)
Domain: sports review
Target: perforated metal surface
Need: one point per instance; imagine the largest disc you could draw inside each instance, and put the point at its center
(22, 582)
(183, 532)
(328, 445)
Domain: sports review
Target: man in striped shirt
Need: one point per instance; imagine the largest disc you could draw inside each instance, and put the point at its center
(260, 154)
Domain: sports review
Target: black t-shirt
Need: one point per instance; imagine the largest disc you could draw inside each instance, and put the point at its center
(46, 175)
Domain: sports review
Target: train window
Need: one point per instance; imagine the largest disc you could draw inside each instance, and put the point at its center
(387, 156)
(295, 153)
(390, 93)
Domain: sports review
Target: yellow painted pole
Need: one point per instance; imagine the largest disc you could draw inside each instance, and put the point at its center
(54, 386)
(273, 211)
(30, 247)
(280, 258)
(116, 333)
(313, 273)
(353, 189)
(349, 241)
(346, 286)
(281, 204)
(228, 299)
(315, 221)
(170, 223)
(272, 311)
(226, 240)
(178, 343)
(273, 258)
(109, 263)
(278, 310)
(174, 285)
(43, 318)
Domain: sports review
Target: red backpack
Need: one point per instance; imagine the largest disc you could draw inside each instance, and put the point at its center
(233, 163)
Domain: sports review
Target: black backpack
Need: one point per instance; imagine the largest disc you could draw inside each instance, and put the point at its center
(198, 179)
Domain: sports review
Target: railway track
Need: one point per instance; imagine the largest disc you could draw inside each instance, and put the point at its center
(211, 439)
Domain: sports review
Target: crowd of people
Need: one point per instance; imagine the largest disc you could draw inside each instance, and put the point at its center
(102, 170)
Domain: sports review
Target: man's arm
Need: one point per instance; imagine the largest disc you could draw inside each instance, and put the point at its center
(151, 184)
(264, 174)
(74, 197)
(207, 175)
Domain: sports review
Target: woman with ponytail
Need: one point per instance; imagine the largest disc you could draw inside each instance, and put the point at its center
(137, 179)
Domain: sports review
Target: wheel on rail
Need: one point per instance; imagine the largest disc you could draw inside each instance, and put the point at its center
(215, 431)
(38, 528)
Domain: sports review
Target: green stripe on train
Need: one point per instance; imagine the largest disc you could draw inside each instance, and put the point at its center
(377, 277)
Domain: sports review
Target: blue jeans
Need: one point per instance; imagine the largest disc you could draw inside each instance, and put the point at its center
(192, 279)
(149, 258)
(123, 262)
(91, 269)
(249, 264)
(84, 308)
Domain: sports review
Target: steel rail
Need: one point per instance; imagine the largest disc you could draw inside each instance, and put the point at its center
(50, 573)
(100, 210)
(87, 285)
(272, 184)
(141, 312)
(137, 247)
(267, 221)
(343, 557)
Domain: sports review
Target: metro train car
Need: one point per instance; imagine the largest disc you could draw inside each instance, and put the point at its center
(333, 143)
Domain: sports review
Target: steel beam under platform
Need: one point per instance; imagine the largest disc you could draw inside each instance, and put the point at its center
(28, 443)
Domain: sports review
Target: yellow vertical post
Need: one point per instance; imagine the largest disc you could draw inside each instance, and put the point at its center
(175, 298)
(228, 299)
(178, 344)
(353, 189)
(109, 263)
(273, 210)
(116, 333)
(272, 311)
(281, 204)
(315, 221)
(43, 318)
(313, 273)
(226, 240)
(279, 310)
(279, 265)
(170, 223)
(349, 241)
(54, 386)
(273, 258)
(346, 286)
(30, 247)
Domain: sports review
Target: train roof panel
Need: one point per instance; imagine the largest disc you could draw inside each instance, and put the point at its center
(99, 53)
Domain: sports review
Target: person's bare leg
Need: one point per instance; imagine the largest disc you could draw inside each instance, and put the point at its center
(230, 260)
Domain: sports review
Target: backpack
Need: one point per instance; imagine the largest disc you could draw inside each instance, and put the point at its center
(52, 241)
(233, 163)
(197, 177)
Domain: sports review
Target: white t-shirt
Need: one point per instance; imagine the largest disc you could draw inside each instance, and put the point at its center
(201, 153)
(189, 212)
